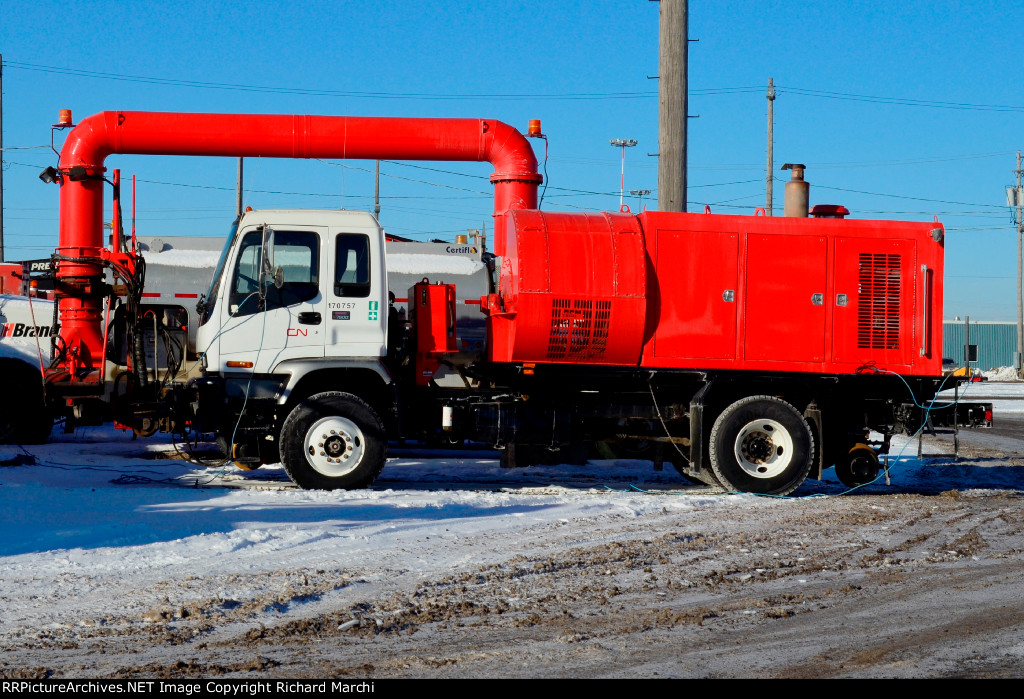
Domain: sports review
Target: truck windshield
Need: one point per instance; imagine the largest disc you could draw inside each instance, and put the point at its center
(296, 256)
(211, 297)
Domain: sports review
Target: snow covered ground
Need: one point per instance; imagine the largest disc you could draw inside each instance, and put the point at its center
(101, 526)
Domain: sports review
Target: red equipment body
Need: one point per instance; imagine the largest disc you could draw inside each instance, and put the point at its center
(675, 290)
(756, 347)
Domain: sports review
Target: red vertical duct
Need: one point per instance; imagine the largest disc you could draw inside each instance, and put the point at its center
(80, 269)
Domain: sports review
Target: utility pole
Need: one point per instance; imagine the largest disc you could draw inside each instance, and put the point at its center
(771, 143)
(673, 46)
(1015, 198)
(622, 143)
(238, 192)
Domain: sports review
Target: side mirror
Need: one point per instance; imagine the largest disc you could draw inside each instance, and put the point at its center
(267, 271)
(278, 277)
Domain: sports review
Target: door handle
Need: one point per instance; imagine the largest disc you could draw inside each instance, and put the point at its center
(924, 311)
(309, 318)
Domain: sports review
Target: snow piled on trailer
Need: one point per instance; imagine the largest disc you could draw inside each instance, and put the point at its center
(183, 258)
(406, 263)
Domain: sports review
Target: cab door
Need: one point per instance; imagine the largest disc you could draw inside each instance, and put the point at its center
(275, 306)
(357, 304)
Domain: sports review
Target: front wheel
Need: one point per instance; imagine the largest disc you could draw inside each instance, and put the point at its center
(761, 444)
(333, 440)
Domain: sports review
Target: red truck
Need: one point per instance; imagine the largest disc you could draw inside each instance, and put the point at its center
(750, 352)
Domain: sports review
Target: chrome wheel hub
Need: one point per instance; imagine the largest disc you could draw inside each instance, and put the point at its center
(334, 446)
(763, 448)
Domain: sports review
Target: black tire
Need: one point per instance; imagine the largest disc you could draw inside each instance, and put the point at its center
(333, 440)
(858, 466)
(24, 417)
(761, 444)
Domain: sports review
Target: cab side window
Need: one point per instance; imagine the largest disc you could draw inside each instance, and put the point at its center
(297, 253)
(352, 265)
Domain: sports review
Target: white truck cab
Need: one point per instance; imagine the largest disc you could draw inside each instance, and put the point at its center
(297, 285)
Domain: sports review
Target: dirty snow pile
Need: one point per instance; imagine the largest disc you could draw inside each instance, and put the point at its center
(1003, 373)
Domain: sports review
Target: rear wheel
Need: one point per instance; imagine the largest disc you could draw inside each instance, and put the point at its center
(761, 444)
(333, 440)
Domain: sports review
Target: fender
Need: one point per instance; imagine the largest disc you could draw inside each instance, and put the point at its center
(298, 369)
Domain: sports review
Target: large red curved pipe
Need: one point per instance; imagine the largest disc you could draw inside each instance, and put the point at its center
(515, 177)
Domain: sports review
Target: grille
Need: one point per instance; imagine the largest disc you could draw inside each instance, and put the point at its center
(878, 303)
(579, 329)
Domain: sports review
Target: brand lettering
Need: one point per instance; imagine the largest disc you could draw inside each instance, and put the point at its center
(22, 330)
(298, 332)
(461, 250)
(39, 267)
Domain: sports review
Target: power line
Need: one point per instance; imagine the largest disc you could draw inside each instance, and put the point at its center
(902, 101)
(645, 94)
(902, 196)
(147, 79)
(912, 161)
(978, 228)
(320, 92)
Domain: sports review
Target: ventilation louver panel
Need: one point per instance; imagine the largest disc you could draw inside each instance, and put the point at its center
(579, 329)
(878, 304)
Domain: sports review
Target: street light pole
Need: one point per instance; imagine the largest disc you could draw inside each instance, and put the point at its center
(622, 143)
(1020, 274)
(769, 194)
(1015, 199)
(639, 194)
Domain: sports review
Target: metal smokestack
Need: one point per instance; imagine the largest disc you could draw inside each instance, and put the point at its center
(797, 191)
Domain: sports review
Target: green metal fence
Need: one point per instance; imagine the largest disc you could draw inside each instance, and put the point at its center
(997, 343)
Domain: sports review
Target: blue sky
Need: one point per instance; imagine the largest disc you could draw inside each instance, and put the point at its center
(907, 110)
